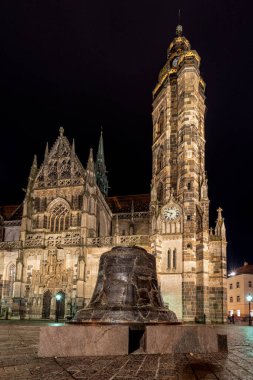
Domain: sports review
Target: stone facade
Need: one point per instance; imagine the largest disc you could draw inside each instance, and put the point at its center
(68, 221)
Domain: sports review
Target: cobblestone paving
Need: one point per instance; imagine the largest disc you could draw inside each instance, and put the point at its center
(19, 361)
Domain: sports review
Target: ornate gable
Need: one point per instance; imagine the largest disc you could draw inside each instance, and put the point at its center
(61, 167)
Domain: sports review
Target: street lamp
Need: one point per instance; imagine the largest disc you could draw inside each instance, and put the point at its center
(249, 299)
(58, 298)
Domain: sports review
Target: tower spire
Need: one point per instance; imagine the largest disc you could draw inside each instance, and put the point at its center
(100, 167)
(100, 153)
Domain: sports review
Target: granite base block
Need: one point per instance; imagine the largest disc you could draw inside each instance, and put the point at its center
(183, 339)
(80, 340)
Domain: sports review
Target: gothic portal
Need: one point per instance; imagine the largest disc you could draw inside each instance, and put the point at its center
(52, 243)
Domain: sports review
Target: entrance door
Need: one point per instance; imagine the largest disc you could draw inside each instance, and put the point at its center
(46, 304)
(61, 305)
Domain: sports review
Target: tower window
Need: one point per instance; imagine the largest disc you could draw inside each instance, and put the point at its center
(169, 259)
(189, 246)
(188, 217)
(159, 163)
(189, 186)
(160, 125)
(174, 259)
(160, 192)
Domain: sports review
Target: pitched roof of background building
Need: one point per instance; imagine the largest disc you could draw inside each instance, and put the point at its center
(11, 212)
(245, 269)
(123, 203)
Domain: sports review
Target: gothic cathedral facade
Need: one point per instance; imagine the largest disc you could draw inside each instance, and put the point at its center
(67, 219)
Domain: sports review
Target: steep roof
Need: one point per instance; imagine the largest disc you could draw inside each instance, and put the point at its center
(11, 212)
(117, 204)
(124, 203)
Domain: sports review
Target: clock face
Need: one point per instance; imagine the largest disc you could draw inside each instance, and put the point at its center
(175, 61)
(170, 213)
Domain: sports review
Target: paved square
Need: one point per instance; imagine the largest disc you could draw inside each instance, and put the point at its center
(19, 361)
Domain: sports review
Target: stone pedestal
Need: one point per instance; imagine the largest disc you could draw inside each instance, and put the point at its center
(89, 340)
(103, 340)
(182, 339)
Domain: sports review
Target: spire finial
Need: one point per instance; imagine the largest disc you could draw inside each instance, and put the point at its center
(90, 163)
(179, 28)
(46, 153)
(35, 161)
(61, 130)
(219, 210)
(73, 147)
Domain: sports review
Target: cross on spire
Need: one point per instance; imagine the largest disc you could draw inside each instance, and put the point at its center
(179, 28)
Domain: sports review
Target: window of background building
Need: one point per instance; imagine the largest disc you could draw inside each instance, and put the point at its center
(250, 284)
(238, 312)
(238, 285)
(231, 299)
(238, 298)
(230, 286)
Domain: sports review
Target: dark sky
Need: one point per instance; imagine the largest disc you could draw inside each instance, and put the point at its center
(83, 64)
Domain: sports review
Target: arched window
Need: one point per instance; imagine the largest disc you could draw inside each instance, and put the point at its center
(169, 259)
(59, 218)
(11, 279)
(65, 171)
(174, 259)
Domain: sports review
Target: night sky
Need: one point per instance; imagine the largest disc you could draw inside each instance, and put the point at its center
(83, 64)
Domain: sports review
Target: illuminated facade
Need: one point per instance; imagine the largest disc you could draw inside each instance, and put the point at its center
(68, 221)
(239, 286)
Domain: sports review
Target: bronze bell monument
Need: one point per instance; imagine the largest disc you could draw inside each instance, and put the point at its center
(126, 290)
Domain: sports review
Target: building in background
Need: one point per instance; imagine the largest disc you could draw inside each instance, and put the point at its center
(239, 286)
(68, 220)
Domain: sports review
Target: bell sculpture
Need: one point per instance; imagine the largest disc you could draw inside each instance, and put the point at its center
(126, 290)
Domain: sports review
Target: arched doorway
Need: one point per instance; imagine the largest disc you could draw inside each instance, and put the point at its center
(46, 304)
(60, 304)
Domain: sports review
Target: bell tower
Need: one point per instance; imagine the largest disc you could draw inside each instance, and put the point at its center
(179, 200)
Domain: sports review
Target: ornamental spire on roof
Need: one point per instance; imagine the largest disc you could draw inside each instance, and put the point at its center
(179, 28)
(100, 167)
(90, 163)
(46, 153)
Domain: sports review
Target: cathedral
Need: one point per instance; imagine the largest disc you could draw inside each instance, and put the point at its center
(51, 244)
